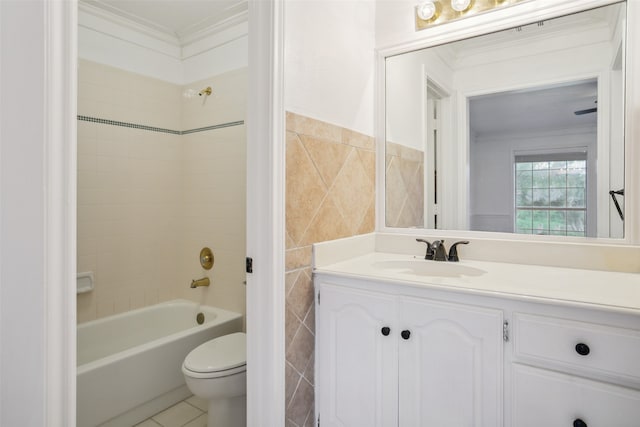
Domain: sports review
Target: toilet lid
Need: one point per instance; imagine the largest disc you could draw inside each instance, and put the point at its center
(219, 354)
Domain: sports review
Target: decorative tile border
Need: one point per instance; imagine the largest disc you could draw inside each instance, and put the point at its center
(156, 129)
(223, 125)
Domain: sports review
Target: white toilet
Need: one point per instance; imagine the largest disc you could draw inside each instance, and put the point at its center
(217, 371)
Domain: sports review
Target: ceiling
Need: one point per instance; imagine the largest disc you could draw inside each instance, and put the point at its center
(177, 18)
(534, 110)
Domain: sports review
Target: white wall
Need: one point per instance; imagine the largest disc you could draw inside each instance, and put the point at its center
(521, 67)
(329, 61)
(406, 88)
(22, 237)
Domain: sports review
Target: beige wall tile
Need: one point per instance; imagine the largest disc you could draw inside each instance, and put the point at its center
(292, 324)
(306, 126)
(342, 161)
(141, 191)
(87, 309)
(328, 224)
(289, 243)
(226, 104)
(290, 278)
(404, 190)
(301, 405)
(292, 378)
(353, 191)
(368, 224)
(309, 372)
(358, 140)
(368, 159)
(305, 189)
(298, 257)
(328, 157)
(300, 349)
(300, 298)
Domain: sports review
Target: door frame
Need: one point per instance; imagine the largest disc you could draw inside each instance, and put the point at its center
(265, 213)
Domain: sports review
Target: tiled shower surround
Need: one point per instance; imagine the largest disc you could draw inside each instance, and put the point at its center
(404, 186)
(157, 181)
(330, 180)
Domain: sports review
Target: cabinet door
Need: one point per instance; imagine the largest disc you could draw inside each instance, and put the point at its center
(552, 399)
(357, 379)
(450, 371)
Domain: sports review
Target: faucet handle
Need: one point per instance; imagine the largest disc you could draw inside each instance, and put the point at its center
(453, 251)
(429, 253)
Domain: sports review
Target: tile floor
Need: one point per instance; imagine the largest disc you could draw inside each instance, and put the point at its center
(191, 412)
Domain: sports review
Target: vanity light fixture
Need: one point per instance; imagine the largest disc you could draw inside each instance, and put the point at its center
(434, 12)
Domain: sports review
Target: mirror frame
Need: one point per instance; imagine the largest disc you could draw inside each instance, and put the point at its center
(502, 19)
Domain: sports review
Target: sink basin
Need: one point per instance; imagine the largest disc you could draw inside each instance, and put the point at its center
(424, 267)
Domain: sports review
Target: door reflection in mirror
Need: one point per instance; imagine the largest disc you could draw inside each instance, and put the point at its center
(533, 161)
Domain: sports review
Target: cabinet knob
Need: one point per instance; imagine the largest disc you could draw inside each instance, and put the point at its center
(405, 334)
(582, 349)
(385, 331)
(579, 423)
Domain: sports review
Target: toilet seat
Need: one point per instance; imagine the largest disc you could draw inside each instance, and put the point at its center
(220, 357)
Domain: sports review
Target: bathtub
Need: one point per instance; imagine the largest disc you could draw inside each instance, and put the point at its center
(129, 365)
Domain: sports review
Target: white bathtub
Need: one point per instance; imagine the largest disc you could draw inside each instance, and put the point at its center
(129, 365)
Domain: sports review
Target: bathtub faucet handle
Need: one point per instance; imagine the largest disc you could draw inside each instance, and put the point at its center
(200, 282)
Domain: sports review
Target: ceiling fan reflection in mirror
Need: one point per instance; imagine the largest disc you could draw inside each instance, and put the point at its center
(586, 111)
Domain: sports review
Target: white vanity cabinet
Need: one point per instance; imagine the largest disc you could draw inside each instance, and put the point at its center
(574, 372)
(543, 397)
(393, 353)
(387, 360)
(356, 358)
(450, 364)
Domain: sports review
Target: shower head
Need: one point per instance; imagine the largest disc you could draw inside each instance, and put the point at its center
(206, 91)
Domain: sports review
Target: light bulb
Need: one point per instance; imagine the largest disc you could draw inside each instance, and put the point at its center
(426, 10)
(460, 5)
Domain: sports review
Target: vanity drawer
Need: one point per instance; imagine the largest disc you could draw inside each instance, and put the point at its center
(589, 347)
(551, 399)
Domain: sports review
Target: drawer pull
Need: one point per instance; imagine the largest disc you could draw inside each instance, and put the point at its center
(385, 331)
(579, 423)
(582, 349)
(405, 334)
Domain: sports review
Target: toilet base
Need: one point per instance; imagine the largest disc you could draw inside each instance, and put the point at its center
(231, 412)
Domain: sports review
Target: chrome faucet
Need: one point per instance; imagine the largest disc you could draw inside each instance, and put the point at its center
(439, 251)
(436, 251)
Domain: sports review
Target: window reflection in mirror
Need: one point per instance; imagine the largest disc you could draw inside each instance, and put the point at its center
(519, 131)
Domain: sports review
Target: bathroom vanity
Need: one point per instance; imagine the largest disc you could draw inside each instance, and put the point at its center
(404, 341)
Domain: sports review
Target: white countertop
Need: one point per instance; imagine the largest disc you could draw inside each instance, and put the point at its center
(613, 290)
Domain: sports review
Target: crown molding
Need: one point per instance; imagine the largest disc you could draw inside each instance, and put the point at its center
(233, 16)
(198, 38)
(121, 18)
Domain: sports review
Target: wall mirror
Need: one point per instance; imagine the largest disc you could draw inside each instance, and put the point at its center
(518, 131)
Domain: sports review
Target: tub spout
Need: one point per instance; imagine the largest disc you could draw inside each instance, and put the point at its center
(200, 282)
